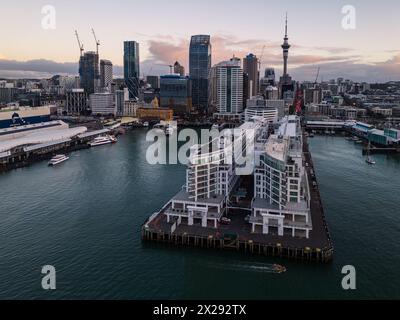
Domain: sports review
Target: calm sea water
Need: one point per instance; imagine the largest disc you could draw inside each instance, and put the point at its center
(84, 218)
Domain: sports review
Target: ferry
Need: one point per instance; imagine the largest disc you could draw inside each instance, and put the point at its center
(99, 141)
(58, 159)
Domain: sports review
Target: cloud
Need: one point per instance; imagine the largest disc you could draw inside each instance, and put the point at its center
(165, 50)
(376, 72)
(40, 68)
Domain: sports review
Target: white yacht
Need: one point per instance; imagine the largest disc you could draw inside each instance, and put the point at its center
(99, 141)
(58, 159)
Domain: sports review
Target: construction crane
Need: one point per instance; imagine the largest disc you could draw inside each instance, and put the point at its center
(316, 79)
(261, 56)
(97, 42)
(79, 43)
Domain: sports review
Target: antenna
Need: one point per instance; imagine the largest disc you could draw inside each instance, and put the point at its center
(97, 42)
(79, 42)
(286, 26)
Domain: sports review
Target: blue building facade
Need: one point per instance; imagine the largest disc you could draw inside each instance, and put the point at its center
(89, 72)
(132, 68)
(199, 70)
(176, 93)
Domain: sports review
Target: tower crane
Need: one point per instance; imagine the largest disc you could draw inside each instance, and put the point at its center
(316, 79)
(79, 42)
(97, 42)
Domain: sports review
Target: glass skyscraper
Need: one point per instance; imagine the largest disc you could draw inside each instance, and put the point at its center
(199, 70)
(89, 72)
(132, 68)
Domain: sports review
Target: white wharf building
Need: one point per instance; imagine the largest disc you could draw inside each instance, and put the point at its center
(281, 204)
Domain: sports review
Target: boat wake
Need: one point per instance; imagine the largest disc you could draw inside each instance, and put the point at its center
(246, 266)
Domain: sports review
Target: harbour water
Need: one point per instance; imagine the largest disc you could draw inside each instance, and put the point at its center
(84, 218)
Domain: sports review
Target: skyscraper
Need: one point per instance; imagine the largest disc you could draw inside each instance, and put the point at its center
(199, 70)
(132, 68)
(230, 87)
(106, 73)
(179, 69)
(89, 72)
(250, 66)
(270, 76)
(176, 93)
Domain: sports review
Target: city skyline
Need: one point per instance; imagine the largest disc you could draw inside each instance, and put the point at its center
(364, 54)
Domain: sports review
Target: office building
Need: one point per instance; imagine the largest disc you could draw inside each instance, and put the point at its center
(106, 73)
(199, 70)
(153, 81)
(250, 67)
(121, 96)
(132, 68)
(229, 87)
(76, 101)
(176, 93)
(102, 104)
(89, 72)
(179, 69)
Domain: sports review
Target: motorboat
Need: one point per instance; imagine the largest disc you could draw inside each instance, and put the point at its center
(58, 159)
(99, 141)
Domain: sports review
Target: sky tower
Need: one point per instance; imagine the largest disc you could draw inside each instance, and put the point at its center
(285, 47)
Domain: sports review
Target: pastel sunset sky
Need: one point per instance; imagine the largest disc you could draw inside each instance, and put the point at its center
(163, 28)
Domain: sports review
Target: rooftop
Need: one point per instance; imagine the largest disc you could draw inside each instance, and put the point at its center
(276, 147)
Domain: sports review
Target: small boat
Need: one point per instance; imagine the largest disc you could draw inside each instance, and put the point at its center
(99, 141)
(279, 269)
(58, 159)
(145, 124)
(311, 135)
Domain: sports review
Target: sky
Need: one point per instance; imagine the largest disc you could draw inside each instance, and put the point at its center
(370, 52)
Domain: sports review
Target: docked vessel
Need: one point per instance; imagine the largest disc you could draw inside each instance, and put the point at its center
(145, 124)
(58, 159)
(99, 141)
